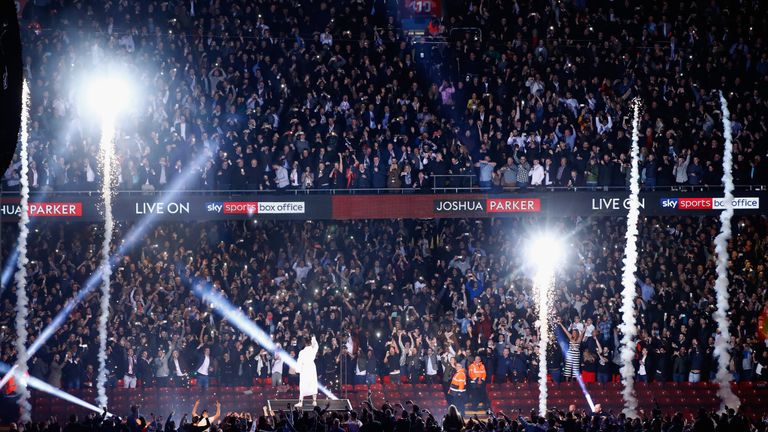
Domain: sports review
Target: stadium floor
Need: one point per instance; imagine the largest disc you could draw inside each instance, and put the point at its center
(683, 397)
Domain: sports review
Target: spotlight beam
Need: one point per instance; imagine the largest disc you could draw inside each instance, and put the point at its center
(10, 263)
(93, 281)
(563, 345)
(44, 387)
(237, 318)
(8, 269)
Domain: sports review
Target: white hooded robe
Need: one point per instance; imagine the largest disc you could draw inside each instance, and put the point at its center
(307, 370)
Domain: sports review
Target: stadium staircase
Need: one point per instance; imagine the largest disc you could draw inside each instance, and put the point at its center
(684, 397)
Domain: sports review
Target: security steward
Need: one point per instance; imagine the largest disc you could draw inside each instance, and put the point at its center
(457, 392)
(477, 394)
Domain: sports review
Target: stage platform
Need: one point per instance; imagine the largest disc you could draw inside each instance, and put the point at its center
(288, 404)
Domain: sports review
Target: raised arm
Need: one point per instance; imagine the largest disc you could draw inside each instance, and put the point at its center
(687, 161)
(168, 420)
(194, 408)
(400, 342)
(315, 346)
(201, 339)
(168, 354)
(218, 412)
(253, 424)
(369, 401)
(131, 298)
(525, 423)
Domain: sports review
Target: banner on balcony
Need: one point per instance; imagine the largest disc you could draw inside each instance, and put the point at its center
(196, 207)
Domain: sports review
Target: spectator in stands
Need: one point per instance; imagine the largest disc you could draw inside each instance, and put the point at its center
(387, 284)
(650, 171)
(486, 170)
(523, 171)
(681, 169)
(71, 371)
(695, 172)
(160, 366)
(592, 174)
(227, 371)
(573, 358)
(265, 102)
(277, 371)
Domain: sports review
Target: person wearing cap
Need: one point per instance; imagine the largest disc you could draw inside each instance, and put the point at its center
(457, 391)
(477, 378)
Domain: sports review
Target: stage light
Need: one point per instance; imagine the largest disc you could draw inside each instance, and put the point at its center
(44, 387)
(108, 93)
(545, 250)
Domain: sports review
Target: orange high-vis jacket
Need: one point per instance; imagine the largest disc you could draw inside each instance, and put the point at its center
(459, 380)
(476, 371)
(10, 387)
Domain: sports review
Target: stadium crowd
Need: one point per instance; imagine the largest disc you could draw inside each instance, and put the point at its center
(278, 95)
(288, 94)
(407, 417)
(388, 301)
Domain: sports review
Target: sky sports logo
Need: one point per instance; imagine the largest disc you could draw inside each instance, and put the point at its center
(254, 207)
(739, 203)
(232, 207)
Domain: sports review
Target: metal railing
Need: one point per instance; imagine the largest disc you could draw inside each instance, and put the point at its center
(472, 188)
(444, 188)
(477, 30)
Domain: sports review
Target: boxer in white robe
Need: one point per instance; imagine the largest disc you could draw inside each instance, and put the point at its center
(307, 372)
